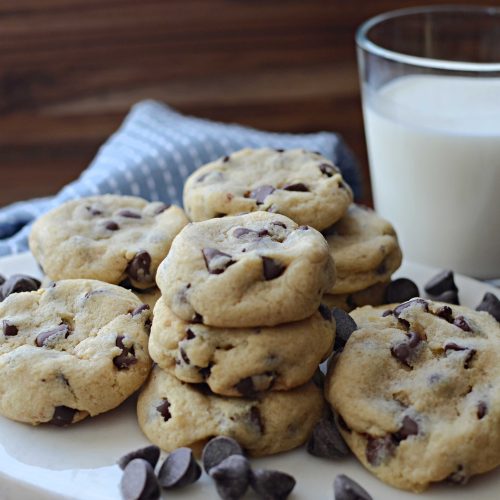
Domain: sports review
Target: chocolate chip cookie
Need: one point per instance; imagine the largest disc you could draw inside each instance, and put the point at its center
(241, 361)
(75, 349)
(302, 185)
(258, 269)
(417, 392)
(365, 248)
(173, 414)
(374, 295)
(111, 238)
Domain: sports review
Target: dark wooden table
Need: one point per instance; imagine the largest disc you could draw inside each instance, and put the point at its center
(70, 69)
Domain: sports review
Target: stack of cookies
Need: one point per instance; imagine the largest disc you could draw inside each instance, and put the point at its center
(238, 334)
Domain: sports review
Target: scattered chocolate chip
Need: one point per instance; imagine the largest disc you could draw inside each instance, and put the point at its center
(111, 226)
(452, 346)
(328, 170)
(179, 469)
(401, 290)
(256, 418)
(326, 440)
(413, 339)
(446, 313)
(459, 476)
(389, 312)
(411, 303)
(161, 208)
(139, 481)
(246, 388)
(197, 318)
(325, 312)
(126, 358)
(401, 352)
(184, 356)
(139, 267)
(190, 334)
(261, 193)
(163, 409)
(216, 261)
(130, 214)
(43, 337)
(18, 283)
(408, 428)
(150, 453)
(205, 371)
(345, 488)
(490, 304)
(242, 231)
(379, 450)
(225, 159)
(345, 325)
(440, 283)
(139, 309)
(482, 409)
(272, 484)
(232, 477)
(299, 186)
(279, 150)
(279, 223)
(404, 322)
(63, 415)
(218, 449)
(9, 330)
(272, 268)
(303, 228)
(450, 296)
(93, 211)
(461, 322)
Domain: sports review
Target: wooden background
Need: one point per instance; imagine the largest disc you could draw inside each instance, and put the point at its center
(70, 69)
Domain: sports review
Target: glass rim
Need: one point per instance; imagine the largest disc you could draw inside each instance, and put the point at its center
(363, 41)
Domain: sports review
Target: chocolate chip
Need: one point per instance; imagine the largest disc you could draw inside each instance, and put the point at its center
(404, 322)
(446, 313)
(388, 312)
(328, 170)
(401, 290)
(326, 440)
(139, 267)
(345, 325)
(160, 209)
(9, 330)
(408, 428)
(299, 186)
(216, 261)
(63, 415)
(261, 193)
(150, 453)
(59, 331)
(19, 283)
(139, 481)
(490, 304)
(126, 358)
(130, 214)
(112, 226)
(246, 388)
(278, 223)
(303, 228)
(272, 268)
(218, 449)
(232, 477)
(139, 309)
(482, 409)
(184, 356)
(452, 346)
(225, 159)
(197, 318)
(440, 283)
(279, 150)
(379, 450)
(242, 231)
(272, 484)
(461, 322)
(325, 312)
(93, 211)
(2, 279)
(256, 419)
(459, 476)
(450, 296)
(411, 303)
(190, 334)
(205, 371)
(179, 469)
(163, 409)
(346, 489)
(401, 352)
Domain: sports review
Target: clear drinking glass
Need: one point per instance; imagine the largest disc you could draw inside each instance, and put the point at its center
(430, 81)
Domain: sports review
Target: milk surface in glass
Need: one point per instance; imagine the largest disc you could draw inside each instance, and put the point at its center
(434, 149)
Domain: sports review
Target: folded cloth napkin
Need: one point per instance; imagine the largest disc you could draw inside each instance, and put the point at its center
(153, 153)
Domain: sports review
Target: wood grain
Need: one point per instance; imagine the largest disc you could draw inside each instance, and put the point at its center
(70, 69)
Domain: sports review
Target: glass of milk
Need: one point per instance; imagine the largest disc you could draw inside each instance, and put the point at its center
(431, 103)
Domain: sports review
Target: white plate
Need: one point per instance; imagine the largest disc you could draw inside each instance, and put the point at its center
(77, 462)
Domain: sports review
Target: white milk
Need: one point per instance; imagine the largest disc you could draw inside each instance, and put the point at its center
(434, 149)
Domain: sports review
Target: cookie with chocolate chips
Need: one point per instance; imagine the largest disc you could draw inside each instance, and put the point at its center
(172, 414)
(241, 361)
(374, 295)
(74, 349)
(365, 248)
(302, 185)
(110, 238)
(258, 269)
(417, 392)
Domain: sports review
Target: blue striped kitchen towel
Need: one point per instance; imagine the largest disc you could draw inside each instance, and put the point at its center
(152, 154)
